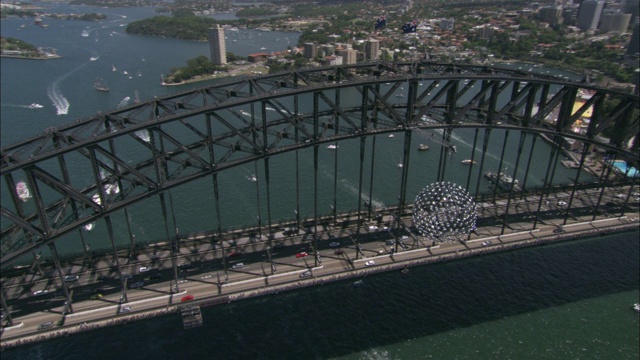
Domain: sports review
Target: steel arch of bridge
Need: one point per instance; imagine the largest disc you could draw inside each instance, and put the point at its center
(201, 132)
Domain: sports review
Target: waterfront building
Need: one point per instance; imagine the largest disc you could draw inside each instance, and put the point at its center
(310, 50)
(589, 14)
(614, 22)
(349, 56)
(217, 45)
(372, 49)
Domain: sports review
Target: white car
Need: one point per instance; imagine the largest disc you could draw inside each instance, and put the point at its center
(369, 263)
(237, 266)
(562, 203)
(144, 269)
(620, 196)
(373, 228)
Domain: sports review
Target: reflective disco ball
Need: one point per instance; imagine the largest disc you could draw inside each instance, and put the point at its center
(444, 212)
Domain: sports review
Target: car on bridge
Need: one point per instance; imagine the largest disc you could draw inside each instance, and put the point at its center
(187, 298)
(144, 269)
(369, 263)
(334, 244)
(237, 265)
(71, 278)
(306, 274)
(301, 255)
(136, 285)
(46, 325)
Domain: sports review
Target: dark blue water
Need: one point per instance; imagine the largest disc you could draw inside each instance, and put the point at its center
(566, 301)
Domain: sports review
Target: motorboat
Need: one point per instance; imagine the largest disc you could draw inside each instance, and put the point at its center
(23, 191)
(423, 147)
(636, 307)
(252, 178)
(35, 106)
(469, 162)
(332, 146)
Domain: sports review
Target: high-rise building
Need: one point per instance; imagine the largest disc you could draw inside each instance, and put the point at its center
(631, 7)
(372, 49)
(349, 56)
(589, 14)
(310, 50)
(614, 22)
(217, 45)
(550, 14)
(634, 44)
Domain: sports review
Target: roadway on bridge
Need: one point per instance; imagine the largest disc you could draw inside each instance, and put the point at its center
(375, 243)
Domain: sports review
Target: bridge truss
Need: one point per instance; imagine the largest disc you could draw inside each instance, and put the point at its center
(146, 149)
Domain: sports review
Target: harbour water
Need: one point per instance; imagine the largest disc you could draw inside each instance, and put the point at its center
(561, 301)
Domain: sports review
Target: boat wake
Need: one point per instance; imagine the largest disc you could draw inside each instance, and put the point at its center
(55, 94)
(59, 101)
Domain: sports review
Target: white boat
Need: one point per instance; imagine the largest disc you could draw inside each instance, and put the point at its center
(252, 178)
(263, 48)
(89, 226)
(113, 68)
(400, 165)
(93, 58)
(23, 191)
(332, 146)
(423, 147)
(469, 162)
(84, 33)
(35, 106)
(125, 72)
(636, 307)
(391, 135)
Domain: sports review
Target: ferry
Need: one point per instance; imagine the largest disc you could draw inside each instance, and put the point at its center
(503, 180)
(469, 162)
(23, 191)
(100, 85)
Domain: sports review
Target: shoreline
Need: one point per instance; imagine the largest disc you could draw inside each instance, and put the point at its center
(48, 57)
(530, 240)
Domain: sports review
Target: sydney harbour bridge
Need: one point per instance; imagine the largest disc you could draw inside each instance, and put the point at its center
(98, 171)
